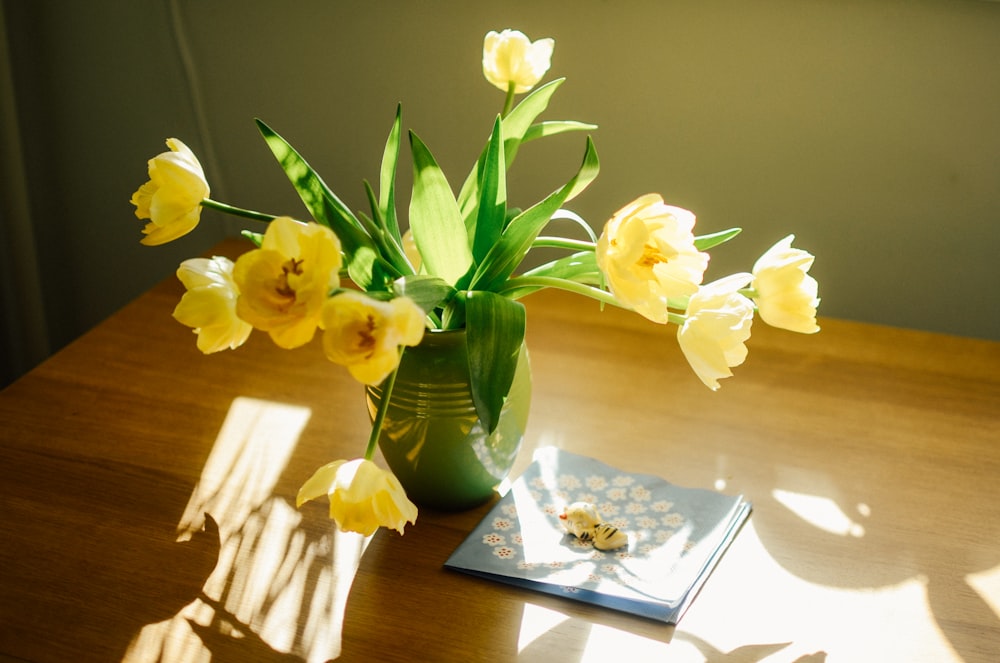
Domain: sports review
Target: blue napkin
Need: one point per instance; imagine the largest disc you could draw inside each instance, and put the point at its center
(676, 537)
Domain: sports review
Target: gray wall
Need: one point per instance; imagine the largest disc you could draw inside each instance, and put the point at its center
(870, 128)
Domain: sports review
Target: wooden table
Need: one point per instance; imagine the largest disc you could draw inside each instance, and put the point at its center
(147, 495)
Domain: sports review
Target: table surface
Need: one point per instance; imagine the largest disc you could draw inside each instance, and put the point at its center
(148, 495)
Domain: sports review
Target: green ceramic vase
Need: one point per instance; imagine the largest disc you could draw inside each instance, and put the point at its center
(432, 438)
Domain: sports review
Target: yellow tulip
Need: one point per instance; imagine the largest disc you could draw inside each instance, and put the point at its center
(209, 305)
(284, 284)
(717, 325)
(171, 199)
(363, 496)
(510, 57)
(785, 294)
(647, 254)
(364, 334)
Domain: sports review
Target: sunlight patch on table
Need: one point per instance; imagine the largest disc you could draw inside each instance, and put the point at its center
(541, 627)
(607, 643)
(891, 622)
(277, 588)
(987, 585)
(822, 512)
(536, 621)
(249, 455)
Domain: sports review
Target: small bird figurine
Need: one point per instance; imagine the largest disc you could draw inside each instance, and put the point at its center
(582, 521)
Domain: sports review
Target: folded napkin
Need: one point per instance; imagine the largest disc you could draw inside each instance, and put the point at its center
(676, 537)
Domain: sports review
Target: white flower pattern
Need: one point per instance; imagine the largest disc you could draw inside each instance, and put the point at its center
(621, 502)
(494, 539)
(674, 535)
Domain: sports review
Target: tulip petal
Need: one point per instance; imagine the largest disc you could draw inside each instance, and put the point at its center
(647, 254)
(786, 295)
(320, 483)
(364, 334)
(510, 57)
(209, 305)
(363, 496)
(172, 197)
(717, 324)
(285, 283)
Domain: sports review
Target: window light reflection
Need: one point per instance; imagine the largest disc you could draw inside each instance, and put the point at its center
(250, 453)
(276, 589)
(536, 621)
(597, 642)
(822, 512)
(987, 585)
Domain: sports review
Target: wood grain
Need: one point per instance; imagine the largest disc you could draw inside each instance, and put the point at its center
(871, 455)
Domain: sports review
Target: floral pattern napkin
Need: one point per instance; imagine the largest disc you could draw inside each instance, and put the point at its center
(676, 537)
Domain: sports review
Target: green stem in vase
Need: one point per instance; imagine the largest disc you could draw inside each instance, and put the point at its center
(383, 407)
(540, 282)
(508, 103)
(236, 211)
(562, 243)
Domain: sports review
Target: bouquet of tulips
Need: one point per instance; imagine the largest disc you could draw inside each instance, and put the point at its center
(456, 266)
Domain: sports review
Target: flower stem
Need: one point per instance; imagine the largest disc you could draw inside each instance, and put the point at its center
(383, 407)
(508, 103)
(541, 282)
(236, 211)
(562, 243)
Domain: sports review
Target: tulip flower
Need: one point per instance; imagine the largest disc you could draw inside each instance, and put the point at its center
(209, 305)
(784, 292)
(468, 273)
(716, 326)
(363, 496)
(284, 284)
(171, 199)
(510, 58)
(364, 334)
(647, 254)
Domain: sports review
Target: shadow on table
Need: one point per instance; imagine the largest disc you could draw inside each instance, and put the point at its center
(137, 572)
(278, 590)
(400, 577)
(745, 653)
(970, 625)
(884, 511)
(227, 639)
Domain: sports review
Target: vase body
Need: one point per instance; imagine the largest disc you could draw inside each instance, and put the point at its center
(431, 436)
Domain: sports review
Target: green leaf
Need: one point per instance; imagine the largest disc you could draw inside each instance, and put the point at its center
(326, 208)
(519, 121)
(387, 176)
(542, 129)
(389, 248)
(369, 225)
(453, 315)
(579, 268)
(705, 242)
(507, 254)
(495, 331)
(492, 197)
(570, 215)
(321, 202)
(514, 127)
(256, 238)
(428, 292)
(437, 225)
